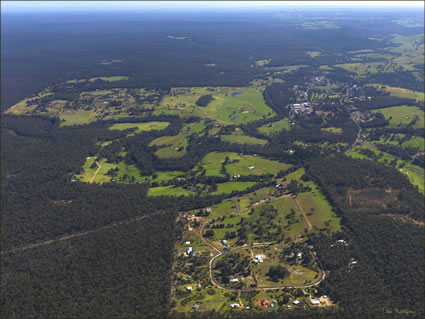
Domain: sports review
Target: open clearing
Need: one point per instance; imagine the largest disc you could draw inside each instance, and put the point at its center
(239, 137)
(123, 173)
(403, 115)
(275, 127)
(168, 191)
(140, 127)
(239, 165)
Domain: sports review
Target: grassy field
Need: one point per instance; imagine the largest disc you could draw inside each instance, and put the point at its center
(335, 130)
(415, 141)
(319, 212)
(169, 146)
(125, 174)
(175, 146)
(262, 224)
(77, 117)
(239, 137)
(373, 67)
(245, 105)
(230, 105)
(212, 164)
(160, 177)
(400, 92)
(403, 115)
(298, 274)
(168, 191)
(276, 127)
(110, 78)
(229, 187)
(140, 127)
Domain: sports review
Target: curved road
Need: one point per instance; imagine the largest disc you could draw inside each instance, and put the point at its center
(226, 252)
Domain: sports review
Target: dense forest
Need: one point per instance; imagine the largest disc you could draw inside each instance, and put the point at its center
(80, 250)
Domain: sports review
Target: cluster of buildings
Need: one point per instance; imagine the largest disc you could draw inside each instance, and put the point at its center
(300, 108)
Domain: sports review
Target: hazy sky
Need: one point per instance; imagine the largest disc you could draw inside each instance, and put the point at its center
(45, 6)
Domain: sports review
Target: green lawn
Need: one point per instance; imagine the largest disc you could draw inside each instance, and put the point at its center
(319, 211)
(401, 92)
(415, 141)
(229, 187)
(239, 137)
(169, 191)
(140, 127)
(77, 117)
(243, 165)
(110, 78)
(402, 115)
(125, 174)
(276, 127)
(241, 108)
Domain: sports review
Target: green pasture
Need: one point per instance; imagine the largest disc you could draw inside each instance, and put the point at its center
(416, 176)
(125, 174)
(162, 177)
(374, 67)
(229, 187)
(319, 211)
(402, 115)
(213, 161)
(239, 137)
(415, 141)
(401, 92)
(276, 127)
(111, 78)
(168, 191)
(298, 274)
(242, 108)
(140, 127)
(335, 130)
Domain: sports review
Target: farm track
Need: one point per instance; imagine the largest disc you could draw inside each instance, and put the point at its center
(306, 221)
(247, 246)
(95, 173)
(76, 235)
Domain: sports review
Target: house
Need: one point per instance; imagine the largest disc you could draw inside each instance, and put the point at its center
(189, 250)
(235, 305)
(224, 243)
(195, 306)
(258, 258)
(315, 302)
(296, 302)
(234, 280)
(299, 255)
(189, 288)
(266, 303)
(208, 210)
(251, 167)
(187, 243)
